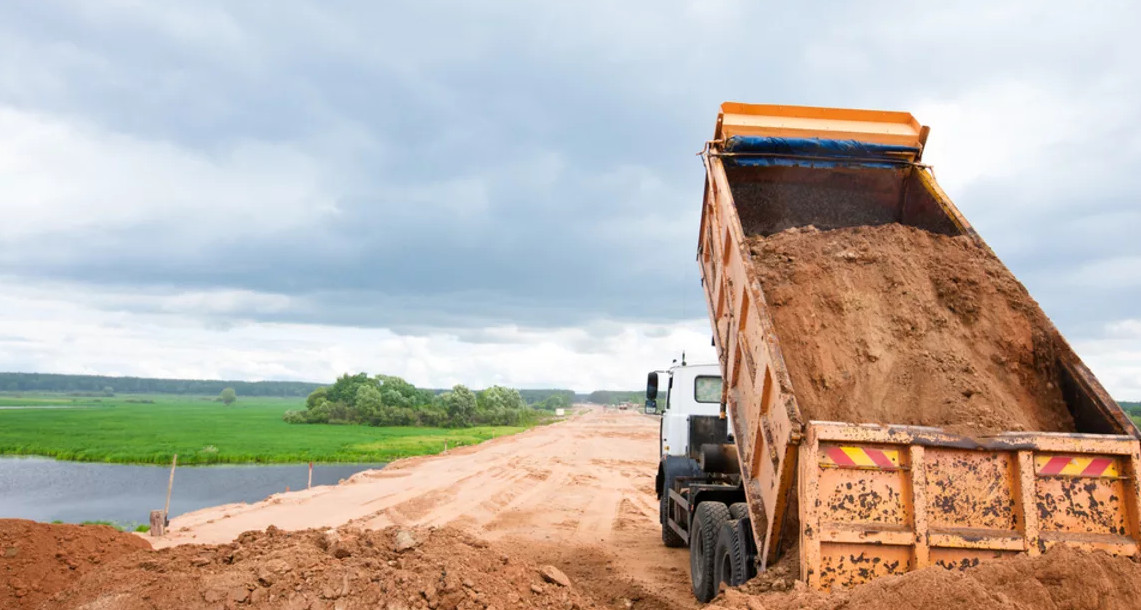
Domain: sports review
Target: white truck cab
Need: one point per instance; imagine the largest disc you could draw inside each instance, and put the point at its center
(693, 389)
(695, 443)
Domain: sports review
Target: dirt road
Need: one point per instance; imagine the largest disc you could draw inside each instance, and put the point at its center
(579, 494)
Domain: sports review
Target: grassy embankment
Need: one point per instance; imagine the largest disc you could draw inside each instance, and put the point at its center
(127, 429)
(122, 527)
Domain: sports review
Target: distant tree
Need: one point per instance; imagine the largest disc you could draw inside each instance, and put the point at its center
(554, 401)
(345, 388)
(400, 393)
(228, 396)
(317, 397)
(540, 397)
(460, 404)
(368, 404)
(614, 397)
(499, 406)
(108, 390)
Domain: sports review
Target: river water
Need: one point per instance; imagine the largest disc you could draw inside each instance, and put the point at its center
(46, 490)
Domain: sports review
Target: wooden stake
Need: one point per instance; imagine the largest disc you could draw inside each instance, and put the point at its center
(310, 485)
(158, 525)
(169, 487)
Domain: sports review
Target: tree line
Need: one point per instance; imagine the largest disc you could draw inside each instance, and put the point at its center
(105, 385)
(100, 384)
(614, 397)
(385, 400)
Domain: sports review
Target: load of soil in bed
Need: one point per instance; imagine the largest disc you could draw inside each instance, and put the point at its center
(895, 325)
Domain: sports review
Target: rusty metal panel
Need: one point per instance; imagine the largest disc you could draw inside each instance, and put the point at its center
(864, 490)
(808, 486)
(961, 559)
(845, 565)
(1081, 503)
(970, 489)
(766, 417)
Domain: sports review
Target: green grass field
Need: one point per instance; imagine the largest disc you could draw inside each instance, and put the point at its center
(125, 430)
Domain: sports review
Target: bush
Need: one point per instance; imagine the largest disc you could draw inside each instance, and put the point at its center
(294, 416)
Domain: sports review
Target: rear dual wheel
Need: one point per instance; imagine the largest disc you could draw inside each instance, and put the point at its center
(730, 559)
(718, 551)
(707, 522)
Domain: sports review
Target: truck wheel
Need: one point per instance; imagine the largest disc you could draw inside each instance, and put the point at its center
(729, 556)
(670, 538)
(738, 510)
(707, 522)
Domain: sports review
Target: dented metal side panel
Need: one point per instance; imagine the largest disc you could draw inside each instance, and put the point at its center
(765, 415)
(879, 500)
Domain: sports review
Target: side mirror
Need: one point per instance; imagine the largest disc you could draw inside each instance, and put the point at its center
(652, 393)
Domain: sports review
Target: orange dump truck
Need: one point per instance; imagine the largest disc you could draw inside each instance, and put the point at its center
(856, 501)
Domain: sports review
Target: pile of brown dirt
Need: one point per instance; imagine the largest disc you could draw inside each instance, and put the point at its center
(893, 324)
(1062, 578)
(348, 568)
(38, 559)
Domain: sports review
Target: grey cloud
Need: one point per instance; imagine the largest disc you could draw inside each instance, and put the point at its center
(520, 163)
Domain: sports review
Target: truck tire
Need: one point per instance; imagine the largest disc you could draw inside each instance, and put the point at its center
(738, 510)
(729, 558)
(707, 522)
(670, 538)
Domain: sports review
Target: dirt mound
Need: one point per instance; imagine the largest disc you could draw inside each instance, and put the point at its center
(1062, 578)
(347, 568)
(38, 559)
(892, 324)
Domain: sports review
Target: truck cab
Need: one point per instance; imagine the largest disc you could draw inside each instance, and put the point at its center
(688, 390)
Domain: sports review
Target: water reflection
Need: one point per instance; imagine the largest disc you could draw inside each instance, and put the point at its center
(46, 490)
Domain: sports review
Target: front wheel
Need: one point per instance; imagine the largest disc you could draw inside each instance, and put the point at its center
(707, 522)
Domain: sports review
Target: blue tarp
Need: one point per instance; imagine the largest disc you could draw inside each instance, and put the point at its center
(813, 152)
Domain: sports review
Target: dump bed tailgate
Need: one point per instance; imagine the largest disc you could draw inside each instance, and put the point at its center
(879, 500)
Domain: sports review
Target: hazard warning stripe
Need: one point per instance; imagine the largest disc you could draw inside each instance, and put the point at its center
(1075, 466)
(860, 457)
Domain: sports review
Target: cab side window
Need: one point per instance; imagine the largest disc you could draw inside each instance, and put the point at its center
(707, 388)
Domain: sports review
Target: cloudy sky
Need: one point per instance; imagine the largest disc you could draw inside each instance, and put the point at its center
(506, 194)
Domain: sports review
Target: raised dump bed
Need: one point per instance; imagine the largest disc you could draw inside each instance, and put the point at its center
(843, 284)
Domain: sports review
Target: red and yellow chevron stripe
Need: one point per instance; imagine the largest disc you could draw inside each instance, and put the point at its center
(1075, 465)
(860, 457)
